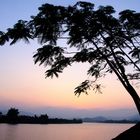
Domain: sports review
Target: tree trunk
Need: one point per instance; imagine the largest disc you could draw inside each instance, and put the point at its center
(134, 96)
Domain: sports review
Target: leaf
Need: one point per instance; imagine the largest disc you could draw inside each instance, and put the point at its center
(3, 38)
(52, 72)
(83, 87)
(97, 88)
(94, 70)
(19, 31)
(47, 54)
(135, 53)
(135, 76)
(81, 56)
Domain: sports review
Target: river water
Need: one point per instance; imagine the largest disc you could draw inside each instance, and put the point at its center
(84, 131)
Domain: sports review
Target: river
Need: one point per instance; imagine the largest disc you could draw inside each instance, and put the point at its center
(84, 131)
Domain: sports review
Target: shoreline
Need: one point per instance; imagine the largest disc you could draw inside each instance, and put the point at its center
(132, 133)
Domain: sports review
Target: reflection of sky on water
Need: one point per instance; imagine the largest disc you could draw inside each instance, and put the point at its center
(85, 131)
(11, 132)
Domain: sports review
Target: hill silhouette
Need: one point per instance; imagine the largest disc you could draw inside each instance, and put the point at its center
(12, 117)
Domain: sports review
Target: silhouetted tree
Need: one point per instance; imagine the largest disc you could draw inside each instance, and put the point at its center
(43, 118)
(12, 115)
(107, 43)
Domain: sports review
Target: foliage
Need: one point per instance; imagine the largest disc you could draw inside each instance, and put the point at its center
(44, 116)
(108, 44)
(12, 115)
(12, 112)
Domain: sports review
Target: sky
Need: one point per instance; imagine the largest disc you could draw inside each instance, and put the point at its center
(23, 84)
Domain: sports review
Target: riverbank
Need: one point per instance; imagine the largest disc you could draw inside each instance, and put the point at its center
(43, 119)
(132, 133)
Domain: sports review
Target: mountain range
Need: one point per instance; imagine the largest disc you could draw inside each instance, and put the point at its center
(134, 118)
(90, 114)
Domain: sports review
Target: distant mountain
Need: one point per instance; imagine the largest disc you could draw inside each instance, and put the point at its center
(134, 117)
(95, 119)
(88, 114)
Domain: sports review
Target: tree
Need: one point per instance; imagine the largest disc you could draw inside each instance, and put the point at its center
(108, 44)
(43, 118)
(12, 112)
(12, 115)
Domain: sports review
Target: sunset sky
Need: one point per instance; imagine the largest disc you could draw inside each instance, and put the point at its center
(23, 84)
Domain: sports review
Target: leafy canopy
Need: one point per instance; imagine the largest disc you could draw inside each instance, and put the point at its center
(107, 43)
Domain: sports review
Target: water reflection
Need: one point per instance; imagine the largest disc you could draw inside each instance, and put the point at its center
(10, 132)
(85, 131)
